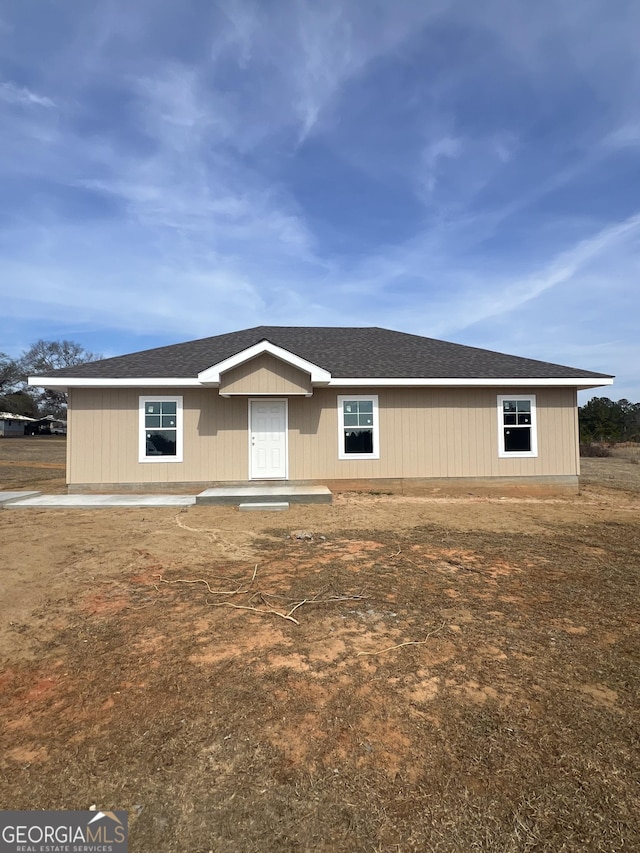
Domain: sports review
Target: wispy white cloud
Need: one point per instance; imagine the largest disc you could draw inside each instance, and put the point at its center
(625, 136)
(10, 93)
(332, 43)
(514, 293)
(445, 148)
(505, 146)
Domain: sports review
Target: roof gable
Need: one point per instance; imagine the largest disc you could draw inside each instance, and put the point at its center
(211, 376)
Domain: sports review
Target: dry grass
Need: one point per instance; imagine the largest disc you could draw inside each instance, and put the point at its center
(620, 471)
(513, 727)
(37, 462)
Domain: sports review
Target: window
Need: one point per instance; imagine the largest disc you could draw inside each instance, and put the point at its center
(358, 427)
(160, 429)
(517, 436)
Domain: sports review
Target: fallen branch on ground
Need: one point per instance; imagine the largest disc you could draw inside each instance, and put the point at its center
(272, 611)
(253, 609)
(261, 597)
(206, 583)
(408, 643)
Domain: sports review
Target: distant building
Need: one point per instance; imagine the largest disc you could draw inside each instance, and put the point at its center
(13, 425)
(49, 425)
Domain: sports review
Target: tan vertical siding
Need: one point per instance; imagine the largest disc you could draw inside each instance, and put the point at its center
(104, 441)
(69, 472)
(424, 432)
(433, 433)
(265, 375)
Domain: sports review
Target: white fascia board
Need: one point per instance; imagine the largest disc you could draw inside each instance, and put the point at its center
(448, 383)
(136, 382)
(61, 384)
(211, 376)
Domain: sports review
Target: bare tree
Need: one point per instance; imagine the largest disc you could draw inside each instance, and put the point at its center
(10, 374)
(42, 358)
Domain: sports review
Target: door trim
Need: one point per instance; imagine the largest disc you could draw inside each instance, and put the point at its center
(286, 435)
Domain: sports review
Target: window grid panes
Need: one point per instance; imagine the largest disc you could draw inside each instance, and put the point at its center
(161, 425)
(358, 427)
(358, 412)
(517, 426)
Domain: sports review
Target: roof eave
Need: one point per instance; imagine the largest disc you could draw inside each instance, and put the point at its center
(481, 382)
(581, 383)
(63, 383)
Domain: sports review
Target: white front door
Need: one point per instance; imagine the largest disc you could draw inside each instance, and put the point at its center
(267, 439)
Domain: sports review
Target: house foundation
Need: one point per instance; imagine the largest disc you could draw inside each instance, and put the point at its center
(539, 487)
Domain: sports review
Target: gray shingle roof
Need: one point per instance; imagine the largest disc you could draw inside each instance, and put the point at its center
(345, 352)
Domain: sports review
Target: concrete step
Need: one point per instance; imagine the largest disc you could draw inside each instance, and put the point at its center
(264, 506)
(235, 495)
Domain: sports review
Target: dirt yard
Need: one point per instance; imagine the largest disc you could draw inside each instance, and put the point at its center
(381, 674)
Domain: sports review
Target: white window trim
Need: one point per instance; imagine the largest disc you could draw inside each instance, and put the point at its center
(522, 454)
(142, 438)
(341, 427)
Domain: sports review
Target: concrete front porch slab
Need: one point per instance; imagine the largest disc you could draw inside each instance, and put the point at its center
(235, 495)
(6, 497)
(100, 501)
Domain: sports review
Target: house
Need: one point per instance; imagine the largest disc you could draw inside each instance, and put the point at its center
(13, 425)
(352, 408)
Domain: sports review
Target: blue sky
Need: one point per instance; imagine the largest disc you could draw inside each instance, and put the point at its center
(173, 169)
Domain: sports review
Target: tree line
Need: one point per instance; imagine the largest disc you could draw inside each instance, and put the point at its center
(38, 360)
(603, 420)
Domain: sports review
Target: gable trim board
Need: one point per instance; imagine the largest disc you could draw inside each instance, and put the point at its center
(212, 375)
(428, 428)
